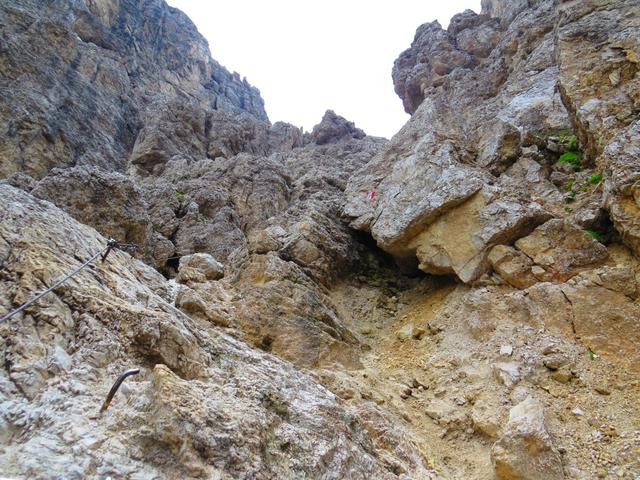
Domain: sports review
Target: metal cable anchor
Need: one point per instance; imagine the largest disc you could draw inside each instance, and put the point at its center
(116, 385)
(113, 243)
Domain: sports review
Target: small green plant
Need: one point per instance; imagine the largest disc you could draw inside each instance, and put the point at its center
(595, 235)
(571, 195)
(156, 228)
(570, 184)
(571, 142)
(592, 355)
(179, 196)
(595, 178)
(201, 218)
(567, 140)
(572, 158)
(584, 188)
(568, 208)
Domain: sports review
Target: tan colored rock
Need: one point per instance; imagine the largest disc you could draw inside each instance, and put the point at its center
(549, 306)
(410, 331)
(487, 418)
(199, 267)
(622, 195)
(525, 450)
(605, 320)
(211, 303)
(507, 373)
(283, 312)
(513, 266)
(458, 241)
(541, 274)
(562, 249)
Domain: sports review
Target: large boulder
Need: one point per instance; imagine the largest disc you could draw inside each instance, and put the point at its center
(108, 201)
(525, 451)
(562, 249)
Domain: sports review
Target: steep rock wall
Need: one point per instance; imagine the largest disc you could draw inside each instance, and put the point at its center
(86, 77)
(496, 100)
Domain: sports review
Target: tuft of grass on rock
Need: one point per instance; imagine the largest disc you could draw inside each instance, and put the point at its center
(573, 159)
(595, 235)
(595, 179)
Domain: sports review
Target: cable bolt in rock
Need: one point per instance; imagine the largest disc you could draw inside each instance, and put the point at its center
(111, 244)
(116, 385)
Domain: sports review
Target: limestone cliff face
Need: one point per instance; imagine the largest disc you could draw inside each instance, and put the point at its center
(275, 340)
(496, 99)
(86, 77)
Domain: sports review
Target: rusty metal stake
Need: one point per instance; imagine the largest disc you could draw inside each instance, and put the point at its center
(121, 378)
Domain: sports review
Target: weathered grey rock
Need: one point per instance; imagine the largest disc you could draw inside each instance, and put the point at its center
(504, 10)
(598, 49)
(334, 128)
(108, 201)
(621, 174)
(495, 99)
(230, 134)
(98, 71)
(175, 418)
(20, 180)
(525, 450)
(273, 221)
(174, 127)
(474, 113)
(199, 267)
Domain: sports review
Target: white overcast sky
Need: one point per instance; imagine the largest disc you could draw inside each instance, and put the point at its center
(307, 57)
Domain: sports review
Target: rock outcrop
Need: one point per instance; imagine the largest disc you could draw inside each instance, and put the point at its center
(89, 79)
(109, 201)
(492, 91)
(526, 451)
(211, 406)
